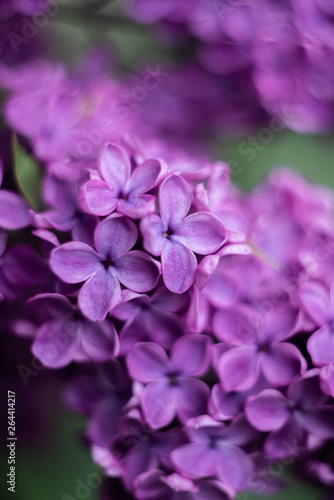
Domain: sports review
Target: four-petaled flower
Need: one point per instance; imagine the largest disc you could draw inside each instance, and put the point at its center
(289, 417)
(177, 237)
(171, 389)
(103, 270)
(118, 188)
(66, 335)
(256, 346)
(214, 449)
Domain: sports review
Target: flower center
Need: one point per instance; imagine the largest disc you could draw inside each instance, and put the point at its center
(107, 263)
(168, 233)
(172, 378)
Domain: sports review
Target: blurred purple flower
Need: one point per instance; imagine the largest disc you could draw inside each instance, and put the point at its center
(171, 388)
(66, 335)
(257, 347)
(288, 417)
(215, 449)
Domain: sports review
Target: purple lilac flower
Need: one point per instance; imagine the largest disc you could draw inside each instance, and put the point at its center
(319, 304)
(14, 212)
(270, 45)
(66, 335)
(136, 449)
(119, 188)
(150, 318)
(257, 347)
(171, 388)
(103, 270)
(176, 236)
(64, 214)
(215, 449)
(327, 379)
(27, 7)
(177, 487)
(288, 417)
(101, 393)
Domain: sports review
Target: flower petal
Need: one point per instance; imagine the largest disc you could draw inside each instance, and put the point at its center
(327, 379)
(315, 301)
(102, 426)
(99, 340)
(238, 368)
(321, 346)
(195, 460)
(147, 362)
(137, 206)
(99, 295)
(191, 354)
(305, 391)
(146, 176)
(225, 405)
(14, 212)
(318, 421)
(178, 266)
(74, 262)
(221, 290)
(236, 325)
(96, 197)
(137, 270)
(277, 324)
(159, 404)
(285, 441)
(175, 200)
(115, 236)
(54, 345)
(53, 305)
(191, 398)
(115, 167)
(281, 363)
(202, 232)
(235, 466)
(267, 411)
(152, 229)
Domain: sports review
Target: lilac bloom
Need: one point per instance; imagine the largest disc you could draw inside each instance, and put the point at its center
(14, 211)
(64, 214)
(171, 389)
(319, 305)
(23, 273)
(150, 318)
(66, 336)
(327, 379)
(176, 236)
(265, 479)
(288, 418)
(215, 449)
(136, 449)
(120, 189)
(257, 347)
(103, 270)
(226, 405)
(101, 394)
(155, 484)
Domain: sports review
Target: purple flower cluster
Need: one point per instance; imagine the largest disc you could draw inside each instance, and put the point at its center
(199, 318)
(277, 49)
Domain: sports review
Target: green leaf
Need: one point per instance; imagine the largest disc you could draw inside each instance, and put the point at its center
(28, 174)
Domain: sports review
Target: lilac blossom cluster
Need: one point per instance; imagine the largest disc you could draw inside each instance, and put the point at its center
(278, 50)
(199, 319)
